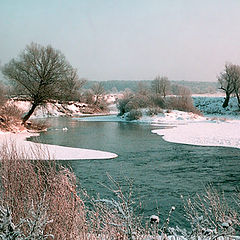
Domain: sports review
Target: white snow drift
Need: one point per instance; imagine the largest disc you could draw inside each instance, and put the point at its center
(209, 133)
(51, 151)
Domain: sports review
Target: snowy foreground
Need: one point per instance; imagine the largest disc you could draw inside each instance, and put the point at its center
(47, 151)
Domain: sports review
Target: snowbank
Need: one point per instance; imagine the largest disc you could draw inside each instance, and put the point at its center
(58, 109)
(51, 151)
(225, 134)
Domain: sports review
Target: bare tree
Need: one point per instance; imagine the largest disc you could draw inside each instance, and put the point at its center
(161, 85)
(41, 73)
(3, 94)
(143, 89)
(98, 91)
(229, 81)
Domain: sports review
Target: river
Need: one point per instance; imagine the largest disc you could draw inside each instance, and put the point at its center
(161, 171)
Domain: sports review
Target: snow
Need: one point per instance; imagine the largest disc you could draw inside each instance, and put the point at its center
(51, 151)
(208, 133)
(56, 109)
(212, 106)
(217, 129)
(188, 128)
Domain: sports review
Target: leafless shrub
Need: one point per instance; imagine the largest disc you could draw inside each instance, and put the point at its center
(133, 115)
(154, 111)
(88, 96)
(157, 100)
(10, 117)
(210, 216)
(116, 218)
(27, 184)
(103, 106)
(37, 125)
(132, 101)
(182, 103)
(3, 97)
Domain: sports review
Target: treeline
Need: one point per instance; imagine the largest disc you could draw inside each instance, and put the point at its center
(120, 85)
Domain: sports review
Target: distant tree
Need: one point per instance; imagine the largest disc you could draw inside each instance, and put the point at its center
(3, 94)
(142, 88)
(41, 73)
(161, 85)
(88, 96)
(114, 90)
(98, 91)
(229, 81)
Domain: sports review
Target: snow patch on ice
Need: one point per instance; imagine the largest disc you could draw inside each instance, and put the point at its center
(208, 133)
(51, 151)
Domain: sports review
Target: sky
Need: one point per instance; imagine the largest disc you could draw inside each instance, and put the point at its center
(128, 39)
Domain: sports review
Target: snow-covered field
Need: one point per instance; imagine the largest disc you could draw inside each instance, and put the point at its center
(213, 106)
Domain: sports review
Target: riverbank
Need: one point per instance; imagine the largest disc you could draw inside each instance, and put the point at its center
(47, 151)
(207, 133)
(189, 128)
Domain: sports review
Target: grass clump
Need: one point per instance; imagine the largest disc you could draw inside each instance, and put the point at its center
(27, 184)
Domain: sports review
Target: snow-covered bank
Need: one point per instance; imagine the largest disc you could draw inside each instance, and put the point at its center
(51, 151)
(57, 109)
(188, 128)
(209, 133)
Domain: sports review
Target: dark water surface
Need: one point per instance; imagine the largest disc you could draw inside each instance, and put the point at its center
(161, 171)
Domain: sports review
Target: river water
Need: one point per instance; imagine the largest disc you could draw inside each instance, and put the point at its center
(161, 171)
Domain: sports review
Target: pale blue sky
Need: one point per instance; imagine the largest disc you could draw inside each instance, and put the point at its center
(128, 39)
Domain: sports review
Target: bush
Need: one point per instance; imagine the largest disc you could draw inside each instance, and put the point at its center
(132, 102)
(3, 97)
(88, 97)
(157, 100)
(182, 103)
(37, 125)
(10, 118)
(124, 104)
(154, 111)
(211, 217)
(134, 115)
(103, 106)
(27, 184)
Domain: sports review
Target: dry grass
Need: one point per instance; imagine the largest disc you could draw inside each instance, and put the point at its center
(182, 103)
(25, 183)
(211, 216)
(10, 118)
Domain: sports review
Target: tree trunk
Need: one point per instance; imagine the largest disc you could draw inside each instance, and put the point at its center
(227, 98)
(238, 98)
(28, 115)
